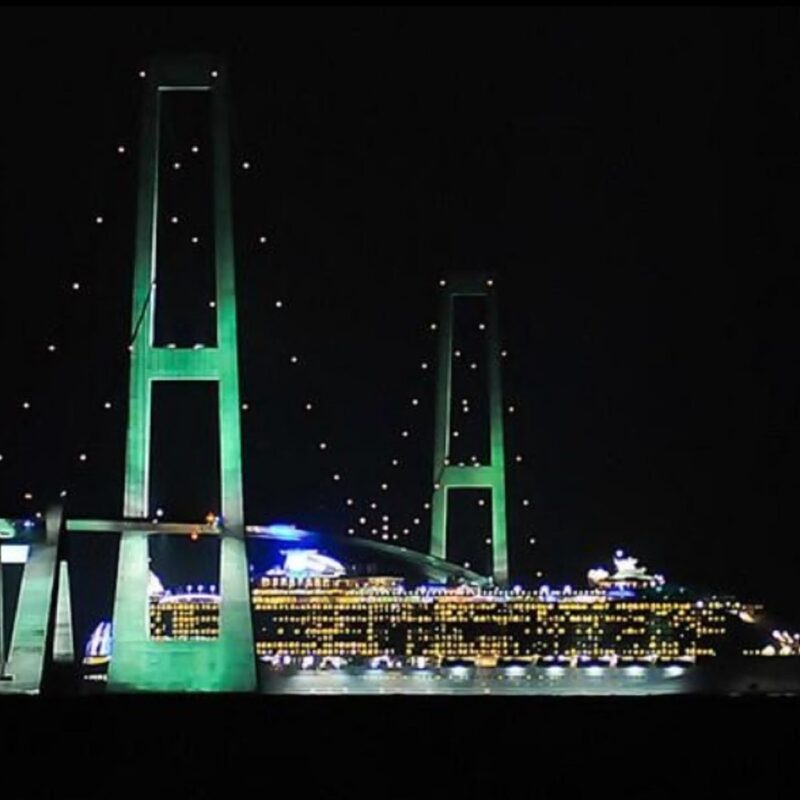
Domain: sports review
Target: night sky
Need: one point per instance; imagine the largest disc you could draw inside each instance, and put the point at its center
(627, 177)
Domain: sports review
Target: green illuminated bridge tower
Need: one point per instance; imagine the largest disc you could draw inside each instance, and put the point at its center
(447, 476)
(139, 663)
(43, 628)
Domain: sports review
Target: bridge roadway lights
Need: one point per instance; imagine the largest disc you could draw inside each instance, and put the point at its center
(492, 476)
(138, 663)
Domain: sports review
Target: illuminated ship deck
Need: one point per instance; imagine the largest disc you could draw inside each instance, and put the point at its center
(319, 629)
(334, 614)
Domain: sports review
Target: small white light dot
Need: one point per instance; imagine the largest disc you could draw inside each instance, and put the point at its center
(385, 518)
(511, 409)
(309, 406)
(337, 476)
(481, 326)
(457, 353)
(404, 434)
(437, 486)
(532, 540)
(173, 220)
(245, 165)
(245, 406)
(503, 353)
(159, 512)
(62, 493)
(121, 149)
(349, 501)
(212, 304)
(373, 505)
(176, 165)
(414, 401)
(195, 239)
(384, 527)
(456, 434)
(350, 531)
(142, 73)
(51, 348)
(384, 487)
(433, 326)
(526, 502)
(384, 536)
(322, 446)
(82, 456)
(473, 365)
(426, 505)
(26, 404)
(424, 365)
(214, 73)
(466, 564)
(488, 540)
(395, 462)
(481, 502)
(75, 286)
(518, 459)
(362, 520)
(1, 456)
(416, 520)
(279, 304)
(406, 531)
(490, 282)
(28, 496)
(538, 574)
(106, 404)
(442, 282)
(98, 220)
(195, 148)
(294, 359)
(171, 346)
(262, 239)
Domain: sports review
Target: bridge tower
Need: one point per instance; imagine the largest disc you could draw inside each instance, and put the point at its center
(139, 663)
(446, 476)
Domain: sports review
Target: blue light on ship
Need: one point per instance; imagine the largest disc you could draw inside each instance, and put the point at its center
(98, 648)
(285, 532)
(302, 563)
(619, 592)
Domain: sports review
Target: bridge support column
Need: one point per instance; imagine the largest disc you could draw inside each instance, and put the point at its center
(447, 477)
(137, 662)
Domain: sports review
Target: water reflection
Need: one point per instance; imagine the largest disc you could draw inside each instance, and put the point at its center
(554, 680)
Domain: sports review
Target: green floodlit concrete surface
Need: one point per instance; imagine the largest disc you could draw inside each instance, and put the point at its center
(25, 661)
(63, 636)
(446, 476)
(227, 663)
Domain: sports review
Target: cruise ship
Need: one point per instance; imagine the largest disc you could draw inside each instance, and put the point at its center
(310, 612)
(624, 617)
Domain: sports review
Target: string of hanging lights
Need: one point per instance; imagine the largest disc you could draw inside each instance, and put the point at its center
(375, 516)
